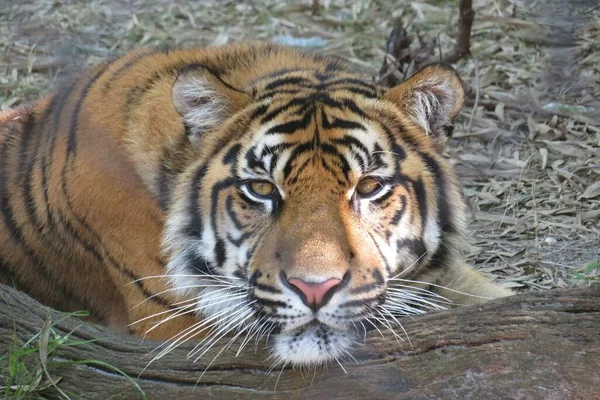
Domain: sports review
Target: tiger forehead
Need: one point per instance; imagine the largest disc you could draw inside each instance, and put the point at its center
(326, 140)
(311, 82)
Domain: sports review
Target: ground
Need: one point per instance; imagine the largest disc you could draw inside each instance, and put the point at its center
(527, 146)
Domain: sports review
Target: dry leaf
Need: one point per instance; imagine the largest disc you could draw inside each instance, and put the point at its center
(592, 191)
(544, 153)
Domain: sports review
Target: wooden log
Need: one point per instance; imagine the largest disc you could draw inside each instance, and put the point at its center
(542, 345)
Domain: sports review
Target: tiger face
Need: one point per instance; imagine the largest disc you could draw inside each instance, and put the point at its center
(310, 199)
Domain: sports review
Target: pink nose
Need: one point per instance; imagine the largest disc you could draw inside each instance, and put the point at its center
(315, 292)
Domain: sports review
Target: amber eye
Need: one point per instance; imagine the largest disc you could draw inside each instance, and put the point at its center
(368, 187)
(261, 188)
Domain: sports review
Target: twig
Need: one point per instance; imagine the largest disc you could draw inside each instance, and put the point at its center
(476, 96)
(463, 39)
(315, 7)
(398, 44)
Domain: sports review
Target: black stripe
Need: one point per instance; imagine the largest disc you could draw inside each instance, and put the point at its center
(273, 94)
(168, 171)
(220, 253)
(365, 288)
(129, 64)
(400, 212)
(351, 105)
(253, 282)
(333, 172)
(440, 258)
(72, 138)
(262, 302)
(293, 179)
(199, 264)
(351, 81)
(381, 199)
(293, 80)
(298, 151)
(255, 205)
(239, 241)
(231, 157)
(444, 209)
(258, 111)
(359, 303)
(232, 214)
(164, 182)
(271, 115)
(27, 164)
(333, 151)
(71, 153)
(275, 152)
(16, 233)
(351, 142)
(337, 123)
(196, 224)
(421, 197)
(69, 158)
(213, 71)
(291, 126)
(277, 74)
(387, 265)
(415, 246)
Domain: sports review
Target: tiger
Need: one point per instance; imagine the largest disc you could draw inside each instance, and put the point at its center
(245, 191)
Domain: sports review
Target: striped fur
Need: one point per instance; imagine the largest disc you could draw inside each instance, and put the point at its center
(126, 193)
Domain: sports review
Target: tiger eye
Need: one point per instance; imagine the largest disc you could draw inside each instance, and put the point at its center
(368, 186)
(261, 188)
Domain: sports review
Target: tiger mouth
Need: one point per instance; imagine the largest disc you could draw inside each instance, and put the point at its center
(313, 324)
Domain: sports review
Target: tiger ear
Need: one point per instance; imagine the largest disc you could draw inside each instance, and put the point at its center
(433, 97)
(203, 101)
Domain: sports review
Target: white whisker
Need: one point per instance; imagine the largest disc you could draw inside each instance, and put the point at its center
(222, 349)
(409, 267)
(179, 288)
(189, 332)
(222, 334)
(399, 324)
(227, 299)
(341, 366)
(385, 323)
(375, 326)
(409, 298)
(227, 278)
(443, 287)
(161, 313)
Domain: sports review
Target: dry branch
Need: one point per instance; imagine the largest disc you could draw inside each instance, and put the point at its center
(400, 57)
(534, 345)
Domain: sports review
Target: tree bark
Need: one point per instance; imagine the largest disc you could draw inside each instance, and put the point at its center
(531, 346)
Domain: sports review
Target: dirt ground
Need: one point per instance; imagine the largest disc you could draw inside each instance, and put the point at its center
(527, 146)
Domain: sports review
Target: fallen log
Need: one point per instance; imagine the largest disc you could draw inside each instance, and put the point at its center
(542, 345)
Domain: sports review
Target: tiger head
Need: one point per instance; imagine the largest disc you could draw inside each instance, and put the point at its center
(313, 191)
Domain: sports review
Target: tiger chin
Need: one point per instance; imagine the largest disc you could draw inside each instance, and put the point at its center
(247, 191)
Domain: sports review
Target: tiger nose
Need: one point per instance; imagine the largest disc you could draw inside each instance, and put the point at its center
(315, 295)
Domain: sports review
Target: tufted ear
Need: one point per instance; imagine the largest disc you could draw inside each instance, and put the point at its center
(203, 101)
(433, 97)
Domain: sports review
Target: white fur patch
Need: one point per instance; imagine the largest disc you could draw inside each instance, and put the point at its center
(315, 346)
(200, 105)
(433, 100)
